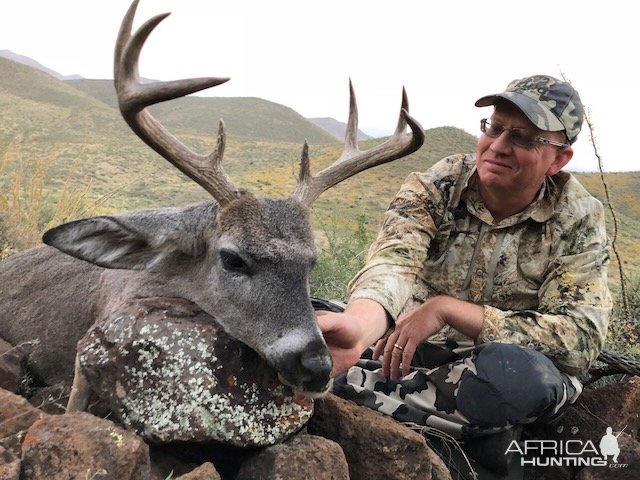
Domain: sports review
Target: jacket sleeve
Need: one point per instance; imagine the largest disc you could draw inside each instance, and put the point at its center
(398, 254)
(572, 318)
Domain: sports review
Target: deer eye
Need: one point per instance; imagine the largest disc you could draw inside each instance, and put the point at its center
(233, 262)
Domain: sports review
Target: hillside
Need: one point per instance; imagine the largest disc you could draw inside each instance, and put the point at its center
(70, 134)
(8, 54)
(624, 190)
(336, 128)
(196, 116)
(248, 118)
(87, 140)
(38, 106)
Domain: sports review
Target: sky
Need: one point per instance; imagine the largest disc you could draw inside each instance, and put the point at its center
(301, 54)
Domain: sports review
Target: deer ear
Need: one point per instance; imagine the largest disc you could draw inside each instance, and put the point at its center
(132, 242)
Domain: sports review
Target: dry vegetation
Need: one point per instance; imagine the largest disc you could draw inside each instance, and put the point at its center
(28, 206)
(65, 153)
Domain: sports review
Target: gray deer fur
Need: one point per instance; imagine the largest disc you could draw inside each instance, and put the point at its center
(244, 260)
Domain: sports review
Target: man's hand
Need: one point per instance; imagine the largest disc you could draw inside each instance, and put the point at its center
(349, 333)
(343, 336)
(419, 325)
(412, 328)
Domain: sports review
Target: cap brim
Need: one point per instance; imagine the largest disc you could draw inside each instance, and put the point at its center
(486, 101)
(538, 114)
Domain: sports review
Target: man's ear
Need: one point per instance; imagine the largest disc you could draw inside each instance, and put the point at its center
(563, 156)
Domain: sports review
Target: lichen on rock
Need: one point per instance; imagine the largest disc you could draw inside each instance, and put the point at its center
(169, 372)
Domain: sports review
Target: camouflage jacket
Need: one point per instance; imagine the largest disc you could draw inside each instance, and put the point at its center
(541, 274)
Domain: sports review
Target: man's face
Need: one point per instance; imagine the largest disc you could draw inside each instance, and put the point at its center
(504, 167)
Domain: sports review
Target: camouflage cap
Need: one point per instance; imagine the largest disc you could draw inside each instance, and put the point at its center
(551, 104)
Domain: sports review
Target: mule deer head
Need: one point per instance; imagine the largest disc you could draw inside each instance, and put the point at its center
(242, 259)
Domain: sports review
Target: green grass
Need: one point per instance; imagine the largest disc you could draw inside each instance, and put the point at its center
(342, 254)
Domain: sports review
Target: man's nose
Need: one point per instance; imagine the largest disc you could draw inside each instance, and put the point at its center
(502, 143)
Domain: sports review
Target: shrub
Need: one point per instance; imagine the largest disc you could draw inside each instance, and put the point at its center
(27, 207)
(624, 328)
(343, 253)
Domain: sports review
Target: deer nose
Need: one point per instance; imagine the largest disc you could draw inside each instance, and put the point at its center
(315, 369)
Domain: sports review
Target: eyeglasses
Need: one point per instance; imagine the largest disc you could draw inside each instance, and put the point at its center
(520, 137)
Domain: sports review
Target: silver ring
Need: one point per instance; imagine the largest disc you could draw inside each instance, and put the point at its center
(398, 347)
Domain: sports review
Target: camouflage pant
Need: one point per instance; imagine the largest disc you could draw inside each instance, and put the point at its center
(465, 392)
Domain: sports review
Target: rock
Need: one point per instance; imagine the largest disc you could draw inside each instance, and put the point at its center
(304, 457)
(181, 458)
(170, 373)
(80, 445)
(617, 402)
(375, 446)
(9, 465)
(206, 471)
(10, 371)
(16, 416)
(165, 463)
(627, 468)
(616, 405)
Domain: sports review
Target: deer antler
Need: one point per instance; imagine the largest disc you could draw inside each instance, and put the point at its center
(352, 160)
(134, 97)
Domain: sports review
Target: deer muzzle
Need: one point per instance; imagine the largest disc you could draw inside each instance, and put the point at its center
(306, 370)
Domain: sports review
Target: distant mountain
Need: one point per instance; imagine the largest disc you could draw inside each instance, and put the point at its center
(245, 117)
(103, 91)
(8, 54)
(249, 118)
(33, 101)
(177, 118)
(336, 128)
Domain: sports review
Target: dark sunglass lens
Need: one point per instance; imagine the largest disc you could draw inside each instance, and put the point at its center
(521, 139)
(493, 130)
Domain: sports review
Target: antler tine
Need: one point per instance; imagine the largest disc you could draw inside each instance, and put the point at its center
(351, 135)
(402, 121)
(352, 160)
(134, 97)
(305, 168)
